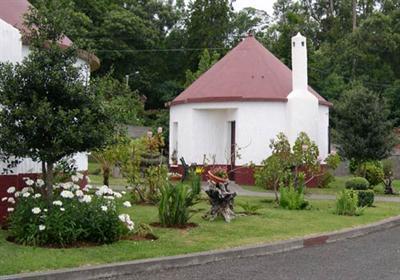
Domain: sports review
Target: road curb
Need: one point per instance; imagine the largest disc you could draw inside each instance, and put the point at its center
(116, 270)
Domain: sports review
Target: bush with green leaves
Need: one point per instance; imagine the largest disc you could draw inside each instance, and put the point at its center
(75, 215)
(249, 208)
(347, 203)
(365, 198)
(357, 183)
(373, 172)
(173, 209)
(292, 198)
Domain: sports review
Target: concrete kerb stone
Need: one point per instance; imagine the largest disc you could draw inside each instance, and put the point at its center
(157, 264)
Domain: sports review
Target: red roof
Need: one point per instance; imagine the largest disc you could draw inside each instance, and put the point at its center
(249, 72)
(12, 12)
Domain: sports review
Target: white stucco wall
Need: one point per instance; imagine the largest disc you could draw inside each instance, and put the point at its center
(10, 43)
(203, 128)
(12, 50)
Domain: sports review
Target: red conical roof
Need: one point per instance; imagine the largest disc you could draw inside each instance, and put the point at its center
(249, 72)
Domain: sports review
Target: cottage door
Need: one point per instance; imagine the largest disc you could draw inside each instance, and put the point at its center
(232, 151)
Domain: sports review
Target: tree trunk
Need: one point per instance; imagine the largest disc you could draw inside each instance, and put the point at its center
(354, 14)
(106, 177)
(331, 8)
(49, 178)
(221, 200)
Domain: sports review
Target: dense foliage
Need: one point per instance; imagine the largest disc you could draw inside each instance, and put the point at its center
(156, 43)
(288, 166)
(347, 203)
(357, 183)
(74, 216)
(365, 131)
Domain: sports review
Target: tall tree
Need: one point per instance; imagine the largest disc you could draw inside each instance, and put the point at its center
(208, 26)
(365, 131)
(48, 111)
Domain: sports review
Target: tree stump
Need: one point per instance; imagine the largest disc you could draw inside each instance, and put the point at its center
(221, 200)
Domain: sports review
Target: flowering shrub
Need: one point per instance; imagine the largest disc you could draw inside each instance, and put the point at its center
(74, 215)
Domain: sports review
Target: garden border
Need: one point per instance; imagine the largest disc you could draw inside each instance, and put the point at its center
(108, 271)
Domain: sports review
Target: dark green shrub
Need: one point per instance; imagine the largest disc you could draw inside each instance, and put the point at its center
(373, 172)
(357, 183)
(292, 199)
(173, 209)
(347, 203)
(366, 198)
(326, 179)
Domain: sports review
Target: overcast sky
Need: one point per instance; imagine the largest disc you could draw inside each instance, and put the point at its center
(265, 5)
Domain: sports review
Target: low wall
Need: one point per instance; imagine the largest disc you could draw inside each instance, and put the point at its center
(242, 175)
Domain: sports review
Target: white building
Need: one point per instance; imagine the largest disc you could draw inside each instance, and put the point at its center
(14, 49)
(244, 101)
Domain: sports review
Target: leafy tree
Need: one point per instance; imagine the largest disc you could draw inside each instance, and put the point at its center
(49, 112)
(365, 132)
(208, 26)
(205, 63)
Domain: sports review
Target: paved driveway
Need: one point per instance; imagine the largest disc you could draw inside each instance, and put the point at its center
(372, 257)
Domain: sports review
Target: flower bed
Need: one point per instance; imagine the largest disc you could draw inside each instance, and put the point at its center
(72, 215)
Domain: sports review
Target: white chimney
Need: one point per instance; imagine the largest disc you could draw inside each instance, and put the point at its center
(299, 63)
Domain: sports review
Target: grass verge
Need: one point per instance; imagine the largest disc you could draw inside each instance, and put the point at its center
(270, 225)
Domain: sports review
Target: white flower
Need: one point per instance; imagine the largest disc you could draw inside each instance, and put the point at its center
(123, 217)
(126, 219)
(38, 195)
(67, 186)
(11, 200)
(62, 209)
(11, 190)
(29, 182)
(67, 194)
(79, 193)
(103, 190)
(123, 192)
(25, 190)
(86, 198)
(36, 210)
(87, 188)
(17, 194)
(57, 202)
(45, 210)
(109, 197)
(75, 178)
(117, 195)
(10, 209)
(42, 227)
(4, 199)
(26, 194)
(104, 208)
(127, 204)
(79, 175)
(39, 183)
(76, 187)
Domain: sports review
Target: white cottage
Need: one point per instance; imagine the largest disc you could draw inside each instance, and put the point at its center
(244, 101)
(14, 49)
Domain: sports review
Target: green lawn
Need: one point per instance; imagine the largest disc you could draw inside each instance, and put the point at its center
(333, 188)
(272, 224)
(96, 178)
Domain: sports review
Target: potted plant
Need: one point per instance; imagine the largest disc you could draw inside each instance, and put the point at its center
(218, 175)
